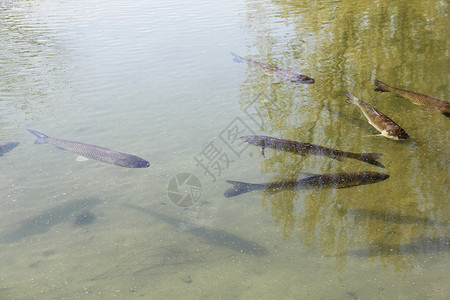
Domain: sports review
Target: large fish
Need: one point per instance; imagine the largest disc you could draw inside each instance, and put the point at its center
(306, 149)
(94, 152)
(416, 98)
(377, 119)
(7, 146)
(311, 182)
(281, 73)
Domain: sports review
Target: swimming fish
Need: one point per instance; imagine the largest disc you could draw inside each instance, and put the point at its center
(306, 148)
(377, 119)
(94, 152)
(416, 98)
(281, 73)
(7, 146)
(310, 182)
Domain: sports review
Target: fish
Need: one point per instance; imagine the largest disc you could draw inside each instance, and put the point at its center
(95, 152)
(307, 148)
(416, 98)
(308, 181)
(377, 119)
(7, 146)
(279, 72)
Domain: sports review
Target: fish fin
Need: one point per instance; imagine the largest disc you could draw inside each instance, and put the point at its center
(41, 137)
(381, 86)
(338, 158)
(373, 135)
(237, 58)
(81, 158)
(371, 158)
(262, 152)
(447, 114)
(305, 175)
(240, 187)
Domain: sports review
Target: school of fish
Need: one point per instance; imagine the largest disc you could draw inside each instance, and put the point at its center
(380, 121)
(385, 125)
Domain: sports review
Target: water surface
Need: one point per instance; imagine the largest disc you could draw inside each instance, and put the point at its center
(156, 79)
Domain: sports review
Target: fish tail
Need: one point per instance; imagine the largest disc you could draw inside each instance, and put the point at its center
(381, 86)
(42, 138)
(239, 188)
(371, 158)
(351, 99)
(237, 58)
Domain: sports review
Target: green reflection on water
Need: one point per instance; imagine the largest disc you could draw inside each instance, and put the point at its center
(345, 45)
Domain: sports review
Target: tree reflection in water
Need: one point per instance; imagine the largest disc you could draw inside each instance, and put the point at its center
(405, 216)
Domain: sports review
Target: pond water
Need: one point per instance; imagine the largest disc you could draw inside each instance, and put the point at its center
(156, 79)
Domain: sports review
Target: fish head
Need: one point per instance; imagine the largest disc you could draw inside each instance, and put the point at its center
(142, 163)
(374, 177)
(396, 134)
(253, 139)
(133, 162)
(302, 79)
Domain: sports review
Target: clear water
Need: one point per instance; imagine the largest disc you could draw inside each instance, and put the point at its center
(156, 79)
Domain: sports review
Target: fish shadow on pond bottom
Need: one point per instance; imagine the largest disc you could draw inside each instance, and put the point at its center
(426, 245)
(212, 236)
(84, 218)
(7, 146)
(395, 217)
(43, 222)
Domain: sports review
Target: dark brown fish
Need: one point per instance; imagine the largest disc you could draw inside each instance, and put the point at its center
(377, 119)
(307, 149)
(311, 182)
(281, 73)
(416, 98)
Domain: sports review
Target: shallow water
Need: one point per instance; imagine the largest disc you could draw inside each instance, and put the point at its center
(156, 79)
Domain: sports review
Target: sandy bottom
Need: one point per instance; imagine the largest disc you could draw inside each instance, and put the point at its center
(136, 249)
